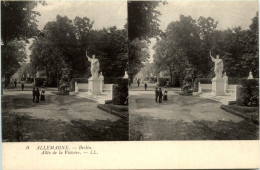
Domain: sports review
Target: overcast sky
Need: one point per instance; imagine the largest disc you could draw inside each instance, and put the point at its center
(103, 13)
(229, 14)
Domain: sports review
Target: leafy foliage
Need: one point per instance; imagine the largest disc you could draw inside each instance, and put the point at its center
(18, 20)
(143, 24)
(60, 51)
(249, 95)
(143, 19)
(18, 23)
(13, 53)
(186, 44)
(120, 92)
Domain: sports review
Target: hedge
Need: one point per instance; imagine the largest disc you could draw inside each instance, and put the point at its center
(78, 80)
(120, 92)
(39, 82)
(202, 81)
(249, 93)
(163, 81)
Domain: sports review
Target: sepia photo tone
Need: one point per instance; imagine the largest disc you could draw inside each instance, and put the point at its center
(194, 70)
(182, 77)
(64, 71)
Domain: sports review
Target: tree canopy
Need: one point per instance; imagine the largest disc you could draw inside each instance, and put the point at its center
(18, 24)
(186, 44)
(143, 24)
(64, 43)
(18, 20)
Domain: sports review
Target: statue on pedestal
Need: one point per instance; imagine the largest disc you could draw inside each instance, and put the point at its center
(94, 66)
(218, 69)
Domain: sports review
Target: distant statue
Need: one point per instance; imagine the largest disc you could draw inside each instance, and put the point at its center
(218, 66)
(101, 76)
(94, 65)
(126, 75)
(225, 77)
(250, 75)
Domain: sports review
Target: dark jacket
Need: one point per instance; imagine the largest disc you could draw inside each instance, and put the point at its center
(34, 92)
(160, 93)
(37, 93)
(156, 92)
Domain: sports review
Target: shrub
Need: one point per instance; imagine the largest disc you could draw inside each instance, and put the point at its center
(39, 82)
(111, 80)
(235, 80)
(163, 81)
(187, 86)
(202, 81)
(78, 80)
(249, 93)
(120, 92)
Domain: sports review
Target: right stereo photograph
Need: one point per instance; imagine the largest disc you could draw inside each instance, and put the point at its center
(193, 70)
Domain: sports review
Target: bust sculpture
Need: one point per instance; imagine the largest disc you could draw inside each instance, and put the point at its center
(94, 65)
(250, 75)
(218, 69)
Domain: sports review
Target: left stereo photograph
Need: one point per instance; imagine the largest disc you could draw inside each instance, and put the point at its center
(64, 71)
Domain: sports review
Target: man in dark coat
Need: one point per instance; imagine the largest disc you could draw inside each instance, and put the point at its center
(22, 86)
(138, 82)
(156, 94)
(34, 94)
(160, 95)
(15, 82)
(37, 95)
(145, 86)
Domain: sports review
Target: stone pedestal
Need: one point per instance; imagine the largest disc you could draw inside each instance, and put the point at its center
(218, 88)
(94, 86)
(76, 87)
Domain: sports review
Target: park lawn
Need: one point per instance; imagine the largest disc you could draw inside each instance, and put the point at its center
(248, 113)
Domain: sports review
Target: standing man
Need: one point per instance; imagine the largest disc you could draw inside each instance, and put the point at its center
(160, 95)
(15, 82)
(22, 86)
(145, 86)
(37, 95)
(156, 94)
(138, 82)
(34, 94)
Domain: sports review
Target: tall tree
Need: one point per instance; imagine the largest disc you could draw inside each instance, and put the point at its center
(18, 20)
(143, 24)
(12, 56)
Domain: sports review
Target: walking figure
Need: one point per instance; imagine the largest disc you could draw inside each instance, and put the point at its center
(138, 82)
(165, 98)
(156, 94)
(160, 95)
(22, 86)
(42, 95)
(34, 94)
(145, 86)
(15, 82)
(37, 95)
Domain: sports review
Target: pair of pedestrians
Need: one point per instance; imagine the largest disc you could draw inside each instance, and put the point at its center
(159, 94)
(37, 95)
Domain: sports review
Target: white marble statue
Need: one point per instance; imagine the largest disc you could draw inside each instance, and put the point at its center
(225, 77)
(101, 76)
(218, 66)
(126, 75)
(250, 75)
(94, 65)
